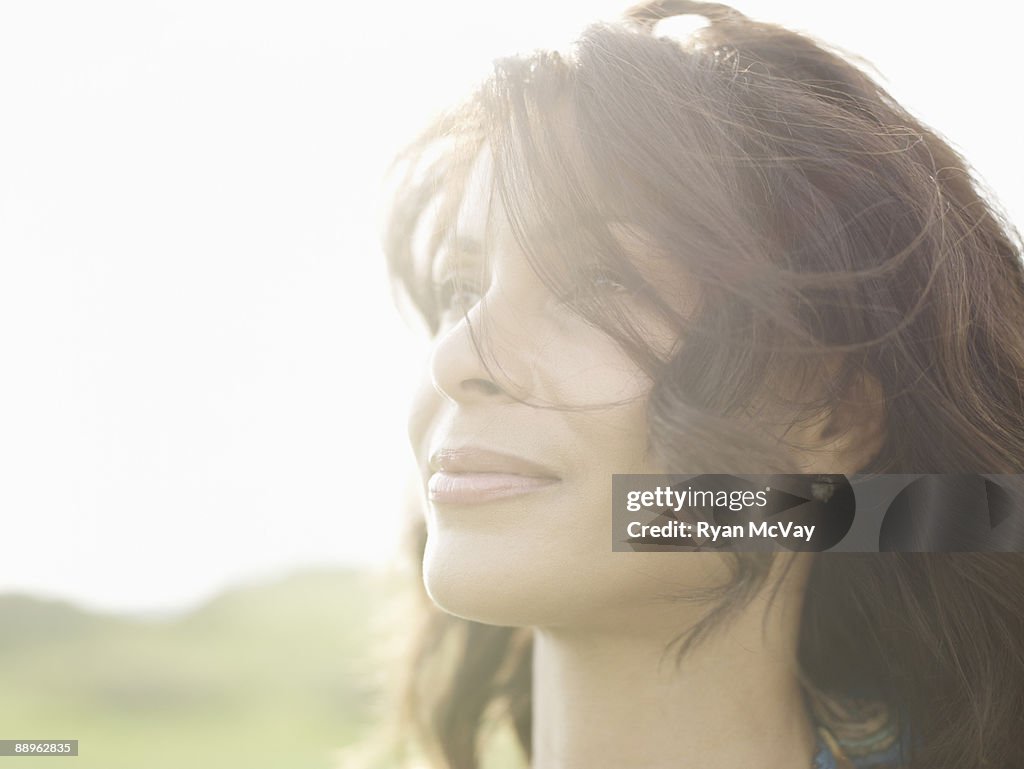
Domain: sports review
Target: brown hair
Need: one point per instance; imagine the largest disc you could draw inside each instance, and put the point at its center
(819, 219)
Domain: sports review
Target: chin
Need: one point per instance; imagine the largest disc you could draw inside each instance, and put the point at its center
(482, 581)
(474, 582)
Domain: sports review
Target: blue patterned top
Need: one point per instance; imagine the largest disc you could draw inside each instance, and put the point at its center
(857, 732)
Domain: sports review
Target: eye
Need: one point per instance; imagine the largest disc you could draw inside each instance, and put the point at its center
(607, 281)
(600, 282)
(456, 295)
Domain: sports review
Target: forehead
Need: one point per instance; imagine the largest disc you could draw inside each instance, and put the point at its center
(479, 225)
(480, 213)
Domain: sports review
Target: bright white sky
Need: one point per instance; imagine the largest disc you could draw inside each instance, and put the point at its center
(202, 378)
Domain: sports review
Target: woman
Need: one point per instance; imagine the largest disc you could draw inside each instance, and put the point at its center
(734, 253)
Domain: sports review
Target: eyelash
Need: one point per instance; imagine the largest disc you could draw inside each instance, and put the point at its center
(599, 280)
(610, 278)
(446, 291)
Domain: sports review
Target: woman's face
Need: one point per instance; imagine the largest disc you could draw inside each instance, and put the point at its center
(519, 498)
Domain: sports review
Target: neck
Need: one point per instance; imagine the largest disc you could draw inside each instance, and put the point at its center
(610, 698)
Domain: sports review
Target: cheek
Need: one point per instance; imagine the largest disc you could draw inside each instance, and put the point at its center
(584, 367)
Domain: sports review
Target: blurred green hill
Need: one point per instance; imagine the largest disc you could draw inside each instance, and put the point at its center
(274, 674)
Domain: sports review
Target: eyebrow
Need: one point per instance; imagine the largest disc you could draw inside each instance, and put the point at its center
(462, 247)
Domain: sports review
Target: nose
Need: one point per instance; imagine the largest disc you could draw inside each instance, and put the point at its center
(457, 363)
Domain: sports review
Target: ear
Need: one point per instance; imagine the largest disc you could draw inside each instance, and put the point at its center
(845, 438)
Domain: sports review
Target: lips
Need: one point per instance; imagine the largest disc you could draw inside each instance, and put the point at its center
(473, 475)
